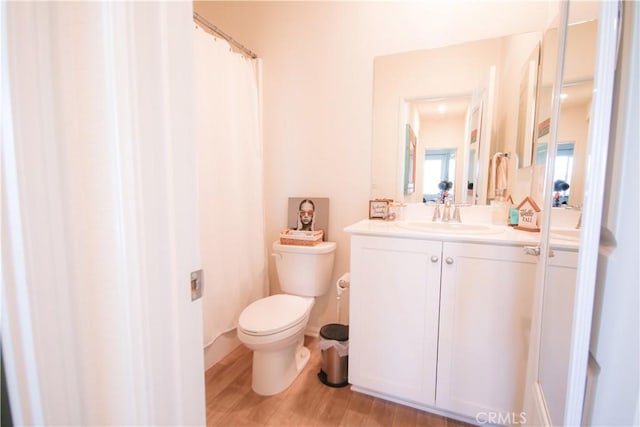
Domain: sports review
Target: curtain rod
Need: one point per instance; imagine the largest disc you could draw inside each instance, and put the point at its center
(217, 31)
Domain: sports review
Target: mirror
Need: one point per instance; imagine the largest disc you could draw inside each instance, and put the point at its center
(573, 124)
(441, 124)
(403, 81)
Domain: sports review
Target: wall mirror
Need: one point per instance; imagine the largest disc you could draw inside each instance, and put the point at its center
(573, 124)
(458, 73)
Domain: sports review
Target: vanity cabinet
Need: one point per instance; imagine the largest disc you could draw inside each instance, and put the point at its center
(485, 316)
(440, 325)
(393, 318)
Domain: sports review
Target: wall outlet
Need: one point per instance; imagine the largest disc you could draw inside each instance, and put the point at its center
(196, 284)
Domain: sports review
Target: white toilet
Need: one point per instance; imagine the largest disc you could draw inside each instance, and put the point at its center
(273, 327)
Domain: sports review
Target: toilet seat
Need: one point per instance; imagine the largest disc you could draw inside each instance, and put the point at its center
(273, 314)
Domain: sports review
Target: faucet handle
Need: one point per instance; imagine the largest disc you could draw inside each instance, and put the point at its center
(436, 213)
(456, 214)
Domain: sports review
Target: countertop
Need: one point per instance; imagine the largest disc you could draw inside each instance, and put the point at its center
(496, 234)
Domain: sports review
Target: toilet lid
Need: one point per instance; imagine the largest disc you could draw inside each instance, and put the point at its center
(274, 314)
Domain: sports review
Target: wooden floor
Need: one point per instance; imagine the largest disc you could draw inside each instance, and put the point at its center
(307, 402)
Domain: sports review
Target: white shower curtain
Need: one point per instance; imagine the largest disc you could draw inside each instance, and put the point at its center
(99, 230)
(229, 145)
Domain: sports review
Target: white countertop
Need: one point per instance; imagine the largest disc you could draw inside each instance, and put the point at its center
(497, 235)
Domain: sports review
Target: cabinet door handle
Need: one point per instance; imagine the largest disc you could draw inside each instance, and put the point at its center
(449, 260)
(434, 258)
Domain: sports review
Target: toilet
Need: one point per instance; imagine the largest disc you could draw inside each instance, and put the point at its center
(273, 327)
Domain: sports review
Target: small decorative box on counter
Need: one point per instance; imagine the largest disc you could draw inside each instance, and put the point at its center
(379, 208)
(528, 212)
(300, 237)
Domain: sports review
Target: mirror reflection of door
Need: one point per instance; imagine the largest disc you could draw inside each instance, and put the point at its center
(439, 175)
(573, 126)
(563, 170)
(480, 139)
(441, 135)
(472, 159)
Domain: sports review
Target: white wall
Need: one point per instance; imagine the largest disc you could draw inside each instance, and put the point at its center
(318, 88)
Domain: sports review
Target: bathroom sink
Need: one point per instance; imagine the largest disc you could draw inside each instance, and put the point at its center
(565, 234)
(449, 227)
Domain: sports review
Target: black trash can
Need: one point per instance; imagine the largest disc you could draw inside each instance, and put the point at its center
(334, 345)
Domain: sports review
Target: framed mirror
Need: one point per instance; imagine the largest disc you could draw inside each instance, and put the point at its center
(402, 79)
(573, 125)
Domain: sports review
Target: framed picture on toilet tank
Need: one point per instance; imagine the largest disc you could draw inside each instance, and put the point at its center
(309, 213)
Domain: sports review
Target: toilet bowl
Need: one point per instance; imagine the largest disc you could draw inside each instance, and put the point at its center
(273, 327)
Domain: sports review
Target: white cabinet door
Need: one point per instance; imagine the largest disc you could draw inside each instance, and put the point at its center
(485, 317)
(395, 290)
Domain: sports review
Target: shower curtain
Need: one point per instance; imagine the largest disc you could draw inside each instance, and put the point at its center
(230, 172)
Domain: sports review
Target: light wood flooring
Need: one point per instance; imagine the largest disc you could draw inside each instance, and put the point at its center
(307, 402)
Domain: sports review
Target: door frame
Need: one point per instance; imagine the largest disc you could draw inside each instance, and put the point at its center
(598, 147)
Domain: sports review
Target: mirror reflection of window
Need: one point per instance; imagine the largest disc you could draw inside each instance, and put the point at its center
(563, 168)
(439, 165)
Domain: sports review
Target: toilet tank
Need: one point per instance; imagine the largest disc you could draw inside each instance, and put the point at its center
(304, 270)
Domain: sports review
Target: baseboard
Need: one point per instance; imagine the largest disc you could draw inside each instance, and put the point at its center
(312, 331)
(220, 348)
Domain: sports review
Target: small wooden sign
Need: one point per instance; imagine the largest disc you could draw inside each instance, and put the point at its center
(528, 218)
(379, 208)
